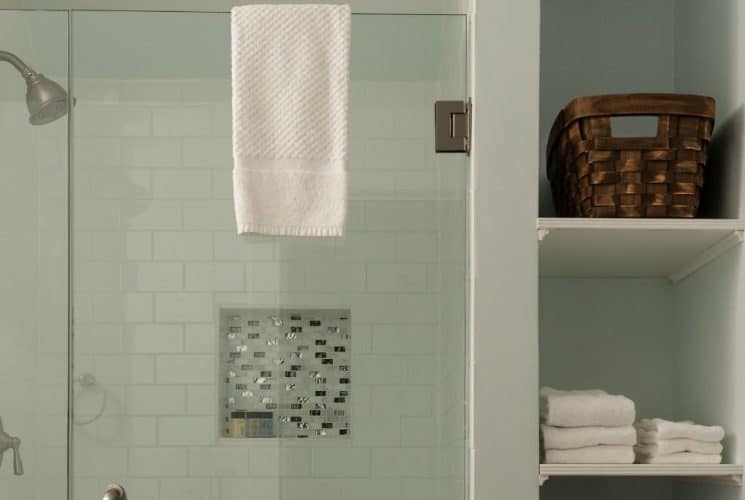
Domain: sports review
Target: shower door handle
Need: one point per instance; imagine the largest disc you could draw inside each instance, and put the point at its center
(114, 492)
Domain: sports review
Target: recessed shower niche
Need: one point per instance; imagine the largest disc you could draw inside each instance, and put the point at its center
(285, 373)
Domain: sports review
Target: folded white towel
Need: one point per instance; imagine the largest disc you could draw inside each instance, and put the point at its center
(591, 455)
(653, 430)
(580, 437)
(585, 408)
(670, 446)
(680, 458)
(290, 76)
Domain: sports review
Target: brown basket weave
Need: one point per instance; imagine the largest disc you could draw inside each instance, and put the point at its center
(594, 174)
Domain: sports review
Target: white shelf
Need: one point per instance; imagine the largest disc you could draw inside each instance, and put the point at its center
(725, 473)
(672, 248)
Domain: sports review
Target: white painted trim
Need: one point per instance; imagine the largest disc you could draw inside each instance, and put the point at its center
(729, 474)
(358, 6)
(504, 251)
(550, 223)
(710, 254)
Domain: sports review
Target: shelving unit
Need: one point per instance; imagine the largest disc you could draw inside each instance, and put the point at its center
(672, 248)
(724, 473)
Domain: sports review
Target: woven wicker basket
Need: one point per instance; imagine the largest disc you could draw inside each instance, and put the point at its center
(594, 174)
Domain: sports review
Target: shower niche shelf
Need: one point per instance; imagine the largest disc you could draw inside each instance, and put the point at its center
(285, 373)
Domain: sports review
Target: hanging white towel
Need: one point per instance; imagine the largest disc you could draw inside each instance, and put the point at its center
(290, 76)
(681, 458)
(655, 429)
(581, 437)
(670, 446)
(592, 455)
(585, 408)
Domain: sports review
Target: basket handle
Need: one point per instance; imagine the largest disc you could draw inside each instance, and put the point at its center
(639, 104)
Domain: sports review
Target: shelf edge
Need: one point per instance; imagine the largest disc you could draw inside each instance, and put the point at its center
(712, 253)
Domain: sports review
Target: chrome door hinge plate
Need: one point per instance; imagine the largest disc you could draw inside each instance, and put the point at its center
(453, 126)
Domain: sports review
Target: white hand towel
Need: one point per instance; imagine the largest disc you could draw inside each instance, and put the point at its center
(580, 437)
(592, 455)
(290, 75)
(681, 458)
(585, 408)
(655, 429)
(670, 446)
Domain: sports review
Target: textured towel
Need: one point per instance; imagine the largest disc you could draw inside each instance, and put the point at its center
(581, 437)
(681, 458)
(585, 408)
(592, 455)
(290, 76)
(670, 446)
(655, 429)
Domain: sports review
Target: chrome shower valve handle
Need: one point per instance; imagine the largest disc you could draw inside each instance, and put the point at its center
(8, 442)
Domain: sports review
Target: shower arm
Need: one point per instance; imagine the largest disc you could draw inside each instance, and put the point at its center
(18, 64)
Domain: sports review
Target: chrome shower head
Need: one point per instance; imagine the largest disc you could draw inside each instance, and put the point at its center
(46, 99)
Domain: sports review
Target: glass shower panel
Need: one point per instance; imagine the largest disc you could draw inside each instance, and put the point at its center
(33, 263)
(218, 366)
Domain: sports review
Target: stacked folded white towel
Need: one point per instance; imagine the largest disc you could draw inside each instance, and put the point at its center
(666, 442)
(586, 427)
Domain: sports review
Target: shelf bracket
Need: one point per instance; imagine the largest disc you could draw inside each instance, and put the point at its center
(542, 478)
(542, 233)
(717, 250)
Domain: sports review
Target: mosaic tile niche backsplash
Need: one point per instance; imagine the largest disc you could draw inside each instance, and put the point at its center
(286, 373)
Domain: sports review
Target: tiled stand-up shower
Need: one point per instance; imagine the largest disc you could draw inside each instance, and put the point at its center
(132, 196)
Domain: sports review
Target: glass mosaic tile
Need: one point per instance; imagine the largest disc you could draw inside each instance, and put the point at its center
(285, 372)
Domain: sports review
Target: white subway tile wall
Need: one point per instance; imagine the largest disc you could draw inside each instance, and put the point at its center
(159, 255)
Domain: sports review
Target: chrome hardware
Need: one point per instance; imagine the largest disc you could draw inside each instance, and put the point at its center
(453, 126)
(114, 492)
(8, 442)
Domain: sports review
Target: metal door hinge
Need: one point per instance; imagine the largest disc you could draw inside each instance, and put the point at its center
(453, 126)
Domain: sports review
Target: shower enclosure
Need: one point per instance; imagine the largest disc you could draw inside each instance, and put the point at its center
(144, 343)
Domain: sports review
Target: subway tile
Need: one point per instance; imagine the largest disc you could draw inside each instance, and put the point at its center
(153, 214)
(222, 184)
(124, 369)
(209, 214)
(138, 307)
(417, 308)
(376, 430)
(157, 462)
(402, 462)
(397, 155)
(149, 91)
(214, 152)
(335, 277)
(183, 307)
(403, 339)
(417, 185)
(101, 120)
(155, 400)
(278, 461)
(182, 245)
(155, 277)
(96, 152)
(99, 338)
(185, 369)
(218, 462)
(310, 488)
(235, 489)
(181, 121)
(181, 184)
(186, 431)
(372, 489)
(401, 215)
(371, 184)
(98, 276)
(275, 276)
(418, 431)
(185, 489)
(207, 276)
(363, 247)
(396, 277)
(201, 399)
(201, 338)
(341, 462)
(230, 246)
(154, 338)
(203, 91)
(379, 370)
(151, 152)
(420, 370)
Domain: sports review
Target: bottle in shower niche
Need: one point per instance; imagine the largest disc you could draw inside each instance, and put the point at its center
(259, 424)
(237, 426)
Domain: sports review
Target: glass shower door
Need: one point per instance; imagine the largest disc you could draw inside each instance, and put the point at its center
(218, 367)
(33, 260)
